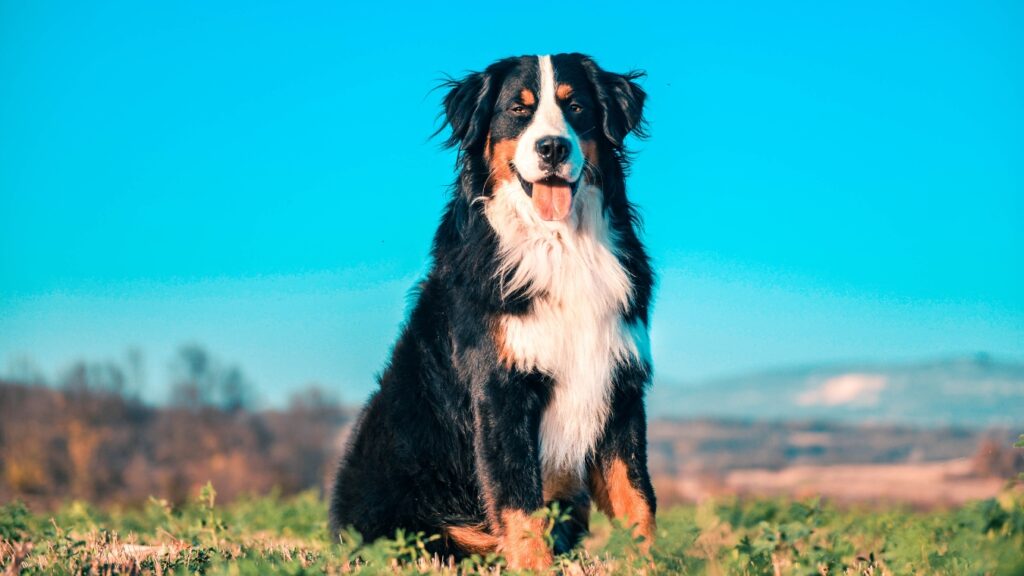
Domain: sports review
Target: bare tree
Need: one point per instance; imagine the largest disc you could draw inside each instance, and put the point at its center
(201, 381)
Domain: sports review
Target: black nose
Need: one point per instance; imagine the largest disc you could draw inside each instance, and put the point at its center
(553, 150)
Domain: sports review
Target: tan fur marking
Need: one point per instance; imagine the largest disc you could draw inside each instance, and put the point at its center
(505, 354)
(503, 151)
(589, 149)
(563, 486)
(473, 539)
(522, 541)
(617, 498)
(563, 91)
(527, 97)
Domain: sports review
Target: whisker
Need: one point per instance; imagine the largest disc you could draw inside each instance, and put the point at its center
(490, 176)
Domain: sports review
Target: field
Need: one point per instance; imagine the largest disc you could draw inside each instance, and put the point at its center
(288, 535)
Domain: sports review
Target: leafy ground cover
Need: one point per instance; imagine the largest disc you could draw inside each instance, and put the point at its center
(272, 534)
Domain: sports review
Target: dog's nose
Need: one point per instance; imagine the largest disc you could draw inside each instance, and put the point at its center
(553, 150)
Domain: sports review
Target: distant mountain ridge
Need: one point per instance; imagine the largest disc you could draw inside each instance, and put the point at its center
(973, 391)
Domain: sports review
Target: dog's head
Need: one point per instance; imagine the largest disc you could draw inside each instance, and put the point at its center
(544, 125)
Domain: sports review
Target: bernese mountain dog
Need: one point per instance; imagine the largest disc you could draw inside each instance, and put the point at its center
(518, 379)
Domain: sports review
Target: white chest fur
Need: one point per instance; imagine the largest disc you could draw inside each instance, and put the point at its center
(574, 331)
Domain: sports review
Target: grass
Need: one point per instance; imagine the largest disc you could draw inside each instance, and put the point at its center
(288, 536)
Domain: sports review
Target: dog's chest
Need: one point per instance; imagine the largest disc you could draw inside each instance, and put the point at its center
(574, 333)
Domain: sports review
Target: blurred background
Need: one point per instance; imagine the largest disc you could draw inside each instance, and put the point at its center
(211, 217)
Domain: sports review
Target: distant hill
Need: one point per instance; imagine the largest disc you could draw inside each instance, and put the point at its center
(976, 391)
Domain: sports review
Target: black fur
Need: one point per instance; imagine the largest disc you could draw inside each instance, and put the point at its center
(451, 436)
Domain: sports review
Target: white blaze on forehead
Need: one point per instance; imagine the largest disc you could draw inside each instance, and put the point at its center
(548, 120)
(549, 116)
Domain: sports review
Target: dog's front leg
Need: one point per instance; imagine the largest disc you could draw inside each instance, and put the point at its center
(619, 482)
(507, 412)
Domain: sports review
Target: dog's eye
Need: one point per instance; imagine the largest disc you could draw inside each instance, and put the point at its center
(575, 107)
(519, 110)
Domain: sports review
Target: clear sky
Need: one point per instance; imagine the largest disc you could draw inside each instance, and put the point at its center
(824, 181)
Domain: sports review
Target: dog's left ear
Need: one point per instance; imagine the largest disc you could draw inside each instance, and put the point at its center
(621, 100)
(469, 104)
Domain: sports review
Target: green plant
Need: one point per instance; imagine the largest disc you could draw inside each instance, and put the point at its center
(289, 536)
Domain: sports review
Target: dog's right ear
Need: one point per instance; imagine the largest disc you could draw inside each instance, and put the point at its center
(469, 104)
(466, 110)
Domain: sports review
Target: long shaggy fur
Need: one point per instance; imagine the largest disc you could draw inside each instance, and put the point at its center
(519, 376)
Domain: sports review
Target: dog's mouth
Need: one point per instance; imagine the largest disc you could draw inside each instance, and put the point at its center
(552, 196)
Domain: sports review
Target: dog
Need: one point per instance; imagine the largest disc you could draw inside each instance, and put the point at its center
(519, 377)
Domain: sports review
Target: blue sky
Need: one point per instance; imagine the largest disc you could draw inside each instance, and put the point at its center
(824, 181)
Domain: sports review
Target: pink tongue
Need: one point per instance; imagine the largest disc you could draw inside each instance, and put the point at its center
(552, 202)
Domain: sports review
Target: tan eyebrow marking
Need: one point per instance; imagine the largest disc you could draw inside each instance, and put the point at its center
(563, 92)
(527, 97)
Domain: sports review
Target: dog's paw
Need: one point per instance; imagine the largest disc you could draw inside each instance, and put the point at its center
(522, 542)
(529, 557)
